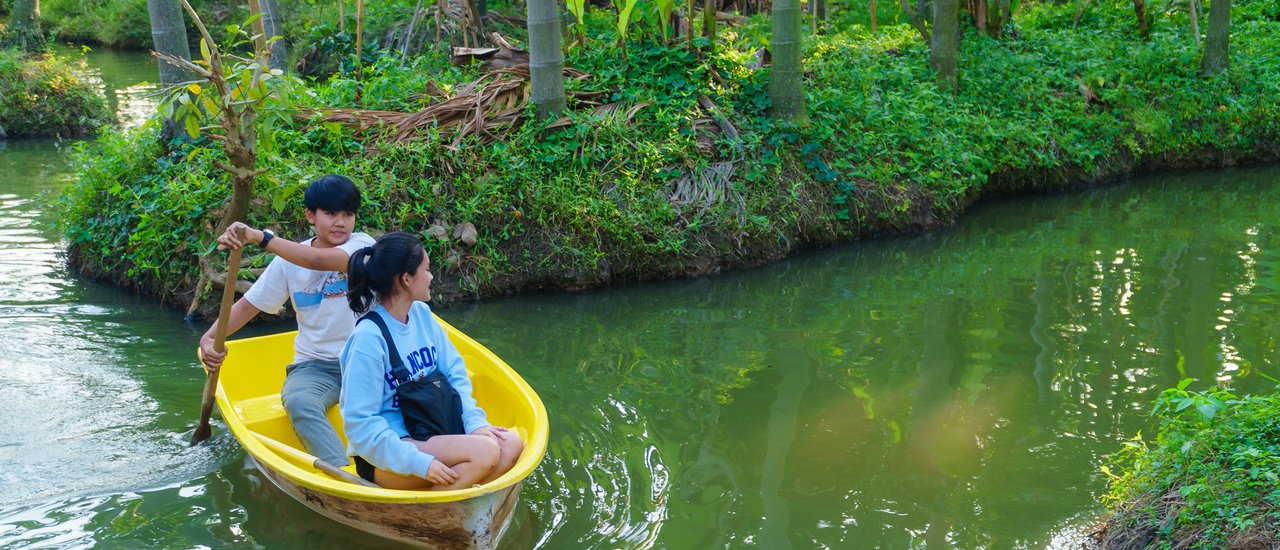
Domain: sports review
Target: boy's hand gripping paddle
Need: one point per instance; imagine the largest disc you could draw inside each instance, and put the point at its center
(219, 341)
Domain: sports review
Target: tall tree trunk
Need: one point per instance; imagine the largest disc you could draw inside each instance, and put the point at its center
(273, 25)
(693, 4)
(915, 14)
(1140, 10)
(1195, 21)
(1217, 49)
(24, 27)
(873, 16)
(980, 16)
(946, 35)
(786, 81)
(709, 21)
(169, 37)
(546, 64)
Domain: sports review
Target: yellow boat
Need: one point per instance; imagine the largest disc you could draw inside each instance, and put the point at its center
(248, 394)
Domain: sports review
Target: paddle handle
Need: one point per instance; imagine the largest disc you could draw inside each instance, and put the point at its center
(319, 463)
(219, 340)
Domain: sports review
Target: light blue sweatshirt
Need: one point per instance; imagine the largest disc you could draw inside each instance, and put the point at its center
(370, 408)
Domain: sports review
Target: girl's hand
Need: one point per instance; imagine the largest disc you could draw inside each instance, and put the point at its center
(440, 474)
(496, 432)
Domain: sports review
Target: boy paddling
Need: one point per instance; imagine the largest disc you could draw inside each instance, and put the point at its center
(311, 274)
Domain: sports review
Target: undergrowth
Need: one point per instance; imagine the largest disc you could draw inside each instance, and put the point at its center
(46, 95)
(597, 200)
(1211, 478)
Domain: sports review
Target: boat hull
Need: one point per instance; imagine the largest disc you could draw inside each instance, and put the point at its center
(248, 395)
(475, 523)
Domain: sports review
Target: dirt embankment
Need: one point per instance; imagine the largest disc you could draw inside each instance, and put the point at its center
(720, 250)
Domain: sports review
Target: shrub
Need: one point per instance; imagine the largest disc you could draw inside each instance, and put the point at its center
(45, 95)
(1211, 479)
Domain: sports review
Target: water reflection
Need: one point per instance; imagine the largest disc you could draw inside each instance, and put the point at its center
(952, 390)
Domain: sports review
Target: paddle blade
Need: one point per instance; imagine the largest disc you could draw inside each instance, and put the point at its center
(202, 433)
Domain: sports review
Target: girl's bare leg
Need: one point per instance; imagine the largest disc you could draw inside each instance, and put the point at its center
(510, 450)
(473, 457)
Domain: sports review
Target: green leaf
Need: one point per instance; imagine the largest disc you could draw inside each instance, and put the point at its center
(204, 50)
(193, 126)
(1208, 410)
(624, 18)
(1182, 384)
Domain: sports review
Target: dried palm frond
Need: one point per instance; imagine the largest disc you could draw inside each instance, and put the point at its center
(484, 108)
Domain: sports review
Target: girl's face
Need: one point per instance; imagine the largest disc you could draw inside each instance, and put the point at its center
(418, 283)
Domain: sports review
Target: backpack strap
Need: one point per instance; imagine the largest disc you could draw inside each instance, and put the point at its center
(398, 369)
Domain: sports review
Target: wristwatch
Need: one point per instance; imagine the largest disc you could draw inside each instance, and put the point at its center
(267, 235)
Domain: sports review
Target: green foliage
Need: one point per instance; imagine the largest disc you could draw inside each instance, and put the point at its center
(42, 95)
(885, 148)
(140, 208)
(1218, 453)
(116, 23)
(248, 85)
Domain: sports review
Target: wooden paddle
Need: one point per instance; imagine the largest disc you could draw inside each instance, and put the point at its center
(320, 464)
(219, 341)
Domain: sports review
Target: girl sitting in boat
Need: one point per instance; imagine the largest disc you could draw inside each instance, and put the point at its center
(406, 402)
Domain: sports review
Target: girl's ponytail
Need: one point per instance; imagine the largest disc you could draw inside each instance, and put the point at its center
(359, 292)
(372, 271)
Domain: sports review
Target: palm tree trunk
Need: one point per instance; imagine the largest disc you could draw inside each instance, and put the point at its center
(1217, 50)
(942, 50)
(169, 37)
(24, 27)
(273, 25)
(786, 82)
(546, 63)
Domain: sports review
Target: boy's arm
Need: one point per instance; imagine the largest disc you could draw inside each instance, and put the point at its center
(318, 259)
(242, 312)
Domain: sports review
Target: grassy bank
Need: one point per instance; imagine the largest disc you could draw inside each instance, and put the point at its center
(669, 192)
(42, 95)
(1209, 480)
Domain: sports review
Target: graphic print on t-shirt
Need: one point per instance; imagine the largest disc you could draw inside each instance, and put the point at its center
(333, 285)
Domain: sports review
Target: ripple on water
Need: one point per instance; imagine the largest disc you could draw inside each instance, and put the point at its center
(603, 486)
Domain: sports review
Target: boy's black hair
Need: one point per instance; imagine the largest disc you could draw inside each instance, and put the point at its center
(333, 193)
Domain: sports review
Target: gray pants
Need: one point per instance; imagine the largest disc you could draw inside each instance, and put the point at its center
(310, 388)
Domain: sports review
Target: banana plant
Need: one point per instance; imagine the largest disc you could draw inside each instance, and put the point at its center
(664, 8)
(624, 23)
(579, 10)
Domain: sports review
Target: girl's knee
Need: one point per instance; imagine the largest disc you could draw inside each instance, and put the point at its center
(487, 452)
(513, 445)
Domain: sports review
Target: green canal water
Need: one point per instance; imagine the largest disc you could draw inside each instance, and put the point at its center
(957, 389)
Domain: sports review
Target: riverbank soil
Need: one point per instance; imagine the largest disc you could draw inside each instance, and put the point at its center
(666, 163)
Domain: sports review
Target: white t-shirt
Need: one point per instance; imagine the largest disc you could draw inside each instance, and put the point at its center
(319, 300)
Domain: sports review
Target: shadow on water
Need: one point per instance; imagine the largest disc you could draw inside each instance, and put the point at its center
(952, 390)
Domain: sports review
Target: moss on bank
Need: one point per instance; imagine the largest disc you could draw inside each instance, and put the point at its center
(1209, 480)
(667, 193)
(42, 95)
